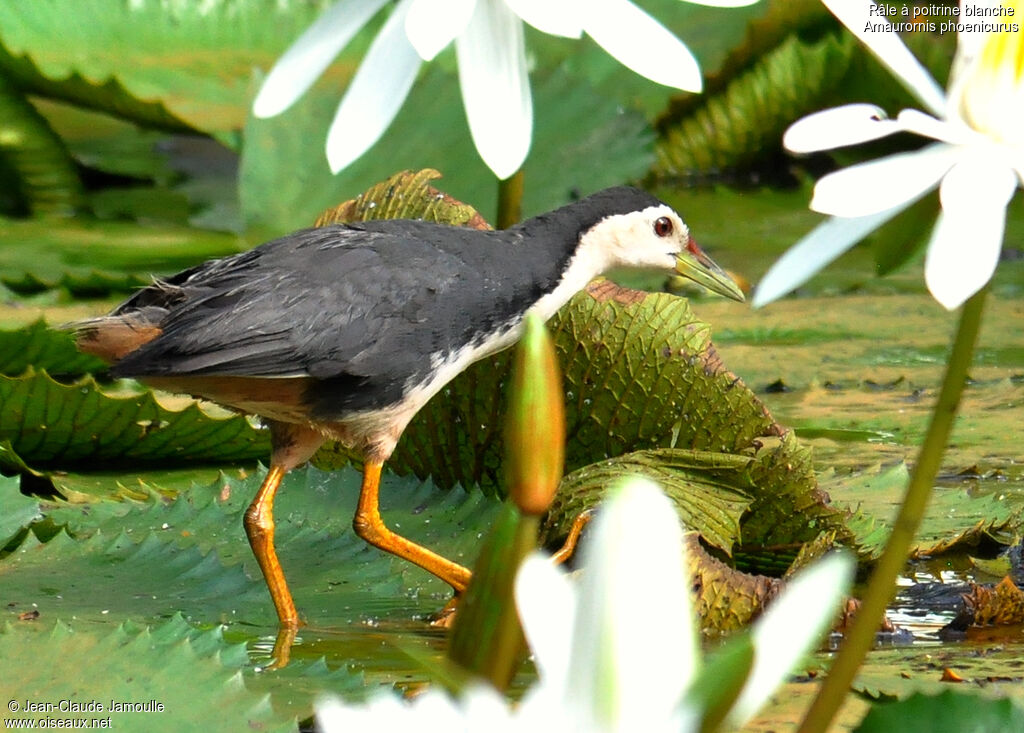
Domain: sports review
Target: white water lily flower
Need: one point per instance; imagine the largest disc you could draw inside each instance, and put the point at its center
(491, 54)
(618, 650)
(977, 162)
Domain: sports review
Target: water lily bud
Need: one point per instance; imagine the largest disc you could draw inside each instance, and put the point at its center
(535, 427)
(991, 87)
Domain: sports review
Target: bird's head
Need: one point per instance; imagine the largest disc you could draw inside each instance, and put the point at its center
(655, 237)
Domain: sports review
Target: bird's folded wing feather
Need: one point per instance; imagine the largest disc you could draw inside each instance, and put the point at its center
(323, 302)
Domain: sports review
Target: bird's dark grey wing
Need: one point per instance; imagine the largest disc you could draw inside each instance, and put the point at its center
(335, 303)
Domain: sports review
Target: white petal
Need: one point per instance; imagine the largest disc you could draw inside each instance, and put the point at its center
(562, 18)
(823, 244)
(433, 24)
(641, 43)
(376, 93)
(483, 709)
(918, 122)
(384, 709)
(335, 716)
(850, 124)
(969, 45)
(313, 52)
(629, 667)
(964, 249)
(541, 710)
(791, 627)
(547, 608)
(886, 183)
(889, 49)
(496, 87)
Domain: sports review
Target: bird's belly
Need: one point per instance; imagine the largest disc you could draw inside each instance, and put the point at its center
(373, 432)
(376, 431)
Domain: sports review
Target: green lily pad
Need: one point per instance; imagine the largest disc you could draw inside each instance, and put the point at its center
(106, 143)
(149, 558)
(181, 65)
(41, 347)
(177, 677)
(711, 491)
(958, 519)
(948, 712)
(36, 170)
(93, 258)
(19, 510)
(745, 121)
(51, 424)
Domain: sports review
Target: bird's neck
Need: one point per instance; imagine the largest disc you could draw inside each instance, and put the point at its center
(583, 260)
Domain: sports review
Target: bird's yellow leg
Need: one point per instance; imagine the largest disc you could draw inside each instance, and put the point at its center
(369, 525)
(259, 527)
(568, 548)
(282, 652)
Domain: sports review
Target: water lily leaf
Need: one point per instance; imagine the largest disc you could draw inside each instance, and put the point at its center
(733, 128)
(711, 491)
(158, 177)
(143, 560)
(726, 599)
(405, 195)
(183, 679)
(18, 510)
(992, 671)
(789, 507)
(769, 503)
(796, 59)
(41, 347)
(31, 154)
(10, 461)
(50, 424)
(1001, 604)
(95, 258)
(999, 523)
(105, 143)
(958, 519)
(948, 712)
(171, 65)
(148, 558)
(641, 372)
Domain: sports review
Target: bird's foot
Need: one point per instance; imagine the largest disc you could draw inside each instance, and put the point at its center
(282, 652)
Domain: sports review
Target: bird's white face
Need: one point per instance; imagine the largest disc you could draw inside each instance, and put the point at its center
(653, 238)
(647, 239)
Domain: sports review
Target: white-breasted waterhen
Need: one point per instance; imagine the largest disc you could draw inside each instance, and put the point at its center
(344, 332)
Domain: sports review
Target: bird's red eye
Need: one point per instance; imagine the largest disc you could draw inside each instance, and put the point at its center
(663, 226)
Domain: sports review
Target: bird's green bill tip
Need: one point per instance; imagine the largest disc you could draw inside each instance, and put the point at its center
(693, 264)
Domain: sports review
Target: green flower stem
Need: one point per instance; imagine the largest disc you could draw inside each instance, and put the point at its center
(882, 586)
(510, 200)
(487, 640)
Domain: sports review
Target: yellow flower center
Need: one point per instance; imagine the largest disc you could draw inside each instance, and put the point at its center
(992, 100)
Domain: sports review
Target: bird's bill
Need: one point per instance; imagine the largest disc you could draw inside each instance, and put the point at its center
(693, 264)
